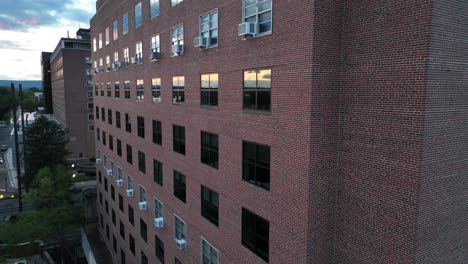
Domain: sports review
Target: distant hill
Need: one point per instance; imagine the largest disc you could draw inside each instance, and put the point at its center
(26, 84)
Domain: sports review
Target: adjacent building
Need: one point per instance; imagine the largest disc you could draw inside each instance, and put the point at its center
(272, 131)
(72, 93)
(46, 82)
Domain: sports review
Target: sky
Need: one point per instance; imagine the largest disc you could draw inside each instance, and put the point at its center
(28, 27)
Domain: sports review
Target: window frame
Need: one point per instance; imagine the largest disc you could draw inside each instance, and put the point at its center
(255, 165)
(257, 14)
(209, 90)
(252, 227)
(178, 233)
(178, 143)
(211, 248)
(153, 4)
(180, 186)
(211, 150)
(210, 29)
(209, 210)
(138, 12)
(257, 89)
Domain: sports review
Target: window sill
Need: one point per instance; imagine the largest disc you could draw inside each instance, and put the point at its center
(257, 112)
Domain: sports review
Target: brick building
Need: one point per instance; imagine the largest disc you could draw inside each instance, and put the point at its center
(46, 82)
(314, 132)
(72, 95)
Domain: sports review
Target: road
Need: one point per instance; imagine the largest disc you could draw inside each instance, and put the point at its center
(4, 140)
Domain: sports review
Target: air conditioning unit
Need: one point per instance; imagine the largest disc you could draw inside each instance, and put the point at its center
(159, 222)
(155, 56)
(181, 244)
(177, 50)
(200, 42)
(98, 161)
(115, 65)
(247, 29)
(124, 64)
(88, 61)
(142, 205)
(101, 69)
(119, 182)
(135, 60)
(110, 172)
(130, 192)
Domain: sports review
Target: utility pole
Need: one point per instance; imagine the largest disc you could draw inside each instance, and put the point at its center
(15, 127)
(23, 132)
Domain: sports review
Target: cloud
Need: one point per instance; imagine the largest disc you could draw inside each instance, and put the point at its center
(22, 15)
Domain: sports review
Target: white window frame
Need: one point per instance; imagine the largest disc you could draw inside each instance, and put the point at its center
(126, 55)
(175, 2)
(116, 56)
(119, 173)
(211, 248)
(141, 193)
(154, 3)
(210, 29)
(155, 44)
(115, 29)
(184, 233)
(129, 182)
(125, 25)
(158, 208)
(257, 14)
(175, 38)
(139, 50)
(138, 7)
(108, 64)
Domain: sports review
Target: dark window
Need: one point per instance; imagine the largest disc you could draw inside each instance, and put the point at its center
(104, 136)
(158, 172)
(179, 186)
(255, 234)
(144, 258)
(117, 89)
(112, 192)
(209, 149)
(100, 198)
(143, 230)
(109, 89)
(177, 261)
(97, 112)
(117, 119)
(103, 114)
(127, 89)
(132, 244)
(107, 232)
(100, 177)
(157, 132)
(98, 134)
(209, 89)
(119, 147)
(257, 89)
(105, 184)
(122, 230)
(113, 217)
(178, 95)
(141, 127)
(122, 256)
(109, 116)
(107, 206)
(121, 206)
(129, 154)
(178, 139)
(130, 215)
(111, 142)
(256, 164)
(159, 248)
(128, 124)
(141, 162)
(114, 243)
(209, 204)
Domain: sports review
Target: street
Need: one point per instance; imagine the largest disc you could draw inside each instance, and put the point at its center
(4, 140)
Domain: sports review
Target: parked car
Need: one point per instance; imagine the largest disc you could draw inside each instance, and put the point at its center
(3, 148)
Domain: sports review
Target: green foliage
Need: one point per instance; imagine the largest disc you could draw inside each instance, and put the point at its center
(46, 147)
(5, 102)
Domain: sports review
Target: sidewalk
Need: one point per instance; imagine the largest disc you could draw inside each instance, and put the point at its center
(12, 175)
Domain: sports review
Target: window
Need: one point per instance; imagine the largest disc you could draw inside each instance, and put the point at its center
(94, 45)
(121, 207)
(156, 90)
(122, 256)
(107, 231)
(177, 261)
(128, 123)
(140, 90)
(209, 89)
(129, 182)
(126, 56)
(209, 254)
(178, 83)
(157, 132)
(100, 177)
(177, 35)
(119, 147)
(109, 116)
(125, 25)
(117, 119)
(159, 248)
(97, 112)
(138, 52)
(158, 172)
(257, 89)
(127, 89)
(129, 154)
(115, 29)
(132, 244)
(122, 230)
(103, 114)
(209, 28)
(113, 217)
(138, 15)
(104, 138)
(209, 149)
(130, 215)
(142, 194)
(258, 11)
(116, 56)
(179, 186)
(96, 92)
(109, 91)
(107, 206)
(180, 231)
(256, 164)
(158, 208)
(175, 2)
(100, 198)
(144, 258)
(154, 9)
(112, 192)
(98, 134)
(119, 176)
(107, 36)
(117, 89)
(111, 142)
(142, 162)
(141, 126)
(155, 45)
(178, 139)
(100, 42)
(255, 234)
(143, 230)
(209, 205)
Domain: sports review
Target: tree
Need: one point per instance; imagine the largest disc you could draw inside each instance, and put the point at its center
(45, 147)
(5, 102)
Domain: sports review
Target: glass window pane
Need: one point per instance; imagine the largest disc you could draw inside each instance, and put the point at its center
(264, 78)
(249, 100)
(250, 79)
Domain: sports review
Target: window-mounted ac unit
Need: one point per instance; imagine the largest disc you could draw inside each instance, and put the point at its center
(247, 29)
(155, 56)
(124, 64)
(119, 182)
(98, 161)
(136, 60)
(88, 61)
(181, 244)
(200, 42)
(110, 172)
(130, 192)
(159, 222)
(177, 50)
(115, 65)
(101, 69)
(142, 205)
